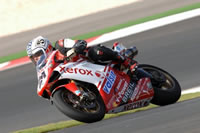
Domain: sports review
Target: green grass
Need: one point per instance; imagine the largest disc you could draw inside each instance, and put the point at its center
(71, 123)
(113, 28)
(13, 56)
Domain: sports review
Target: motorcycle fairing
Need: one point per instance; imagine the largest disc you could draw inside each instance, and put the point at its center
(133, 105)
(144, 89)
(44, 74)
(83, 71)
(105, 78)
(70, 86)
(140, 97)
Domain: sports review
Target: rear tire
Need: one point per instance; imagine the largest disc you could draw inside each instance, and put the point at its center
(63, 104)
(169, 91)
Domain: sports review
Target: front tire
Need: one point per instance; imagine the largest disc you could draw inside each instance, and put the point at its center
(65, 101)
(166, 88)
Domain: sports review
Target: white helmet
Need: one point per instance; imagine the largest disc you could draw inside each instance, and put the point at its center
(38, 50)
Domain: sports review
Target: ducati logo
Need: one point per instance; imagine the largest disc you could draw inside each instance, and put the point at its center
(99, 74)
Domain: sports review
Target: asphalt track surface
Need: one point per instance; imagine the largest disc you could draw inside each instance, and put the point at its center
(17, 42)
(174, 48)
(183, 117)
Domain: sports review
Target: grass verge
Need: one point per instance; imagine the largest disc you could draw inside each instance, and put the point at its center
(113, 28)
(71, 123)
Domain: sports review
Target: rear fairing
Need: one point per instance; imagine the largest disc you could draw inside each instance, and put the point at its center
(140, 96)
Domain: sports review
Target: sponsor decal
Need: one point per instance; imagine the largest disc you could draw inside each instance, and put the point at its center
(136, 90)
(110, 103)
(115, 104)
(125, 93)
(118, 86)
(121, 93)
(76, 71)
(41, 80)
(137, 104)
(99, 74)
(129, 92)
(149, 85)
(129, 106)
(134, 93)
(42, 75)
(41, 42)
(144, 87)
(137, 93)
(110, 81)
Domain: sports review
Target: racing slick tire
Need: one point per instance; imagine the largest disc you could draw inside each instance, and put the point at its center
(61, 99)
(167, 92)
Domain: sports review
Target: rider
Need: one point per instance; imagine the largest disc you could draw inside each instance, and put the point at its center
(40, 47)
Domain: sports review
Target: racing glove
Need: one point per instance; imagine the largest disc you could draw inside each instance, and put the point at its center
(80, 46)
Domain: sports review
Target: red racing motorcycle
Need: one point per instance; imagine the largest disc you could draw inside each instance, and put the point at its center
(85, 91)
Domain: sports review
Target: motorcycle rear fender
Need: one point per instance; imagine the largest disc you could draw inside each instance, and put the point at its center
(71, 87)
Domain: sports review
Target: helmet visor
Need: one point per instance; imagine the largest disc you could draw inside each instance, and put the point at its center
(39, 58)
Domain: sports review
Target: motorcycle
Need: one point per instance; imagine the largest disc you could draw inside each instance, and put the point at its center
(85, 91)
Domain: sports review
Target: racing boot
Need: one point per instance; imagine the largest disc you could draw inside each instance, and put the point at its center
(126, 58)
(129, 63)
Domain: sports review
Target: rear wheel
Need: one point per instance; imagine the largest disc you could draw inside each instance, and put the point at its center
(85, 109)
(166, 88)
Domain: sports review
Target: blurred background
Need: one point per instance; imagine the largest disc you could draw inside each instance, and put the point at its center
(22, 15)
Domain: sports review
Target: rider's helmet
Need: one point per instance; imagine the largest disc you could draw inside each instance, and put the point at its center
(38, 50)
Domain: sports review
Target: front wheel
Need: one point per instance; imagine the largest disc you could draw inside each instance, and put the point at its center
(85, 111)
(166, 88)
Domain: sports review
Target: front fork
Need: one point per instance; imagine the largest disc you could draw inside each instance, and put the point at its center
(141, 73)
(78, 91)
(71, 86)
(155, 79)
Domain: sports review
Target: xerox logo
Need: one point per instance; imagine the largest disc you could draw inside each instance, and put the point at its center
(110, 81)
(76, 71)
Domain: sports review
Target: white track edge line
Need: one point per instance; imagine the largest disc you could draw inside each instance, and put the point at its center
(146, 26)
(191, 90)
